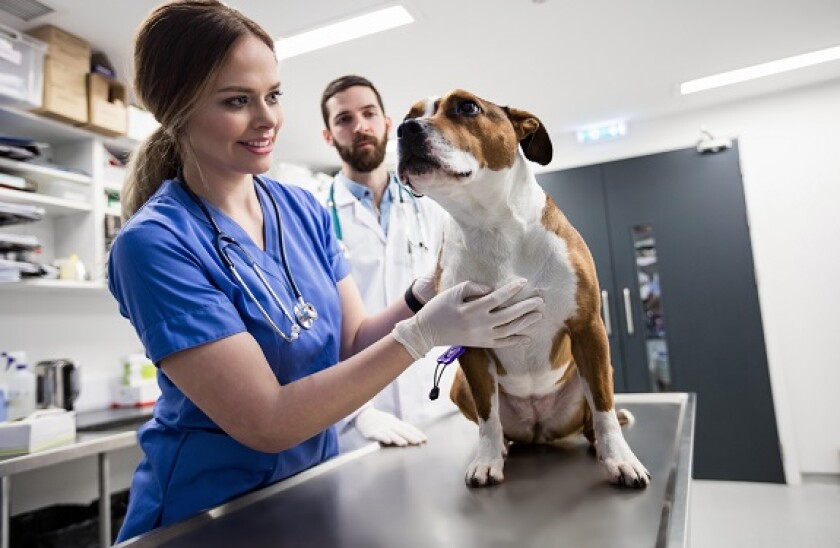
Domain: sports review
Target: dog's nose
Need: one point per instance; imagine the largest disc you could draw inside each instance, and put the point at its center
(408, 128)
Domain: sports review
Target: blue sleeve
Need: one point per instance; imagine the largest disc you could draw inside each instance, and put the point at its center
(166, 293)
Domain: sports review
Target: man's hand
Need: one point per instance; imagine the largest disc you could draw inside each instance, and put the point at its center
(387, 429)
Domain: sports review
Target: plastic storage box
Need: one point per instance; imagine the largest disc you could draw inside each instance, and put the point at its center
(21, 69)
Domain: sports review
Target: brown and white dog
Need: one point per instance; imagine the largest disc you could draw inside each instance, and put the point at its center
(464, 152)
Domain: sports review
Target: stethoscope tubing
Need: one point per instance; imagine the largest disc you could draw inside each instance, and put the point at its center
(339, 233)
(305, 313)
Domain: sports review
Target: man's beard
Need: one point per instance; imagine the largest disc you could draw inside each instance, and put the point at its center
(367, 159)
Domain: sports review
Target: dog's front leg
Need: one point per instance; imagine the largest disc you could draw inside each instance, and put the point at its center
(592, 356)
(488, 464)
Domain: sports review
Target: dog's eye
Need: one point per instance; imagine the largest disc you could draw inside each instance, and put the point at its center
(468, 108)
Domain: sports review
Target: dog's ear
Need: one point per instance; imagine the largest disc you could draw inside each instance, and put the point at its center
(532, 135)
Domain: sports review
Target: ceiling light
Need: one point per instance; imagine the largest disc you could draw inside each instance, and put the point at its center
(603, 132)
(336, 33)
(758, 71)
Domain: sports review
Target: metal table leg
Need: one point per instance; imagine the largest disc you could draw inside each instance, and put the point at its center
(104, 501)
(5, 483)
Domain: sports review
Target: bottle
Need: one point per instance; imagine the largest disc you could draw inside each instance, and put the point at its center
(4, 404)
(72, 268)
(22, 387)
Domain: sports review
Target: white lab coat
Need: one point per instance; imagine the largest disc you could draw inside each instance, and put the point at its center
(383, 267)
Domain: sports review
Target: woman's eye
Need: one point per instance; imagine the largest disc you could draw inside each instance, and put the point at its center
(274, 96)
(239, 101)
(469, 108)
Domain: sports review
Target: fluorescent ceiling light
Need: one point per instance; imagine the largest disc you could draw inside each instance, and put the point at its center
(758, 71)
(603, 132)
(349, 29)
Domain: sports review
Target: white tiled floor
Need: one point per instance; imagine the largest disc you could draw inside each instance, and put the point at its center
(746, 515)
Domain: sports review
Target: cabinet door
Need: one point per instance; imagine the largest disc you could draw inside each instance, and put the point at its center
(685, 214)
(579, 193)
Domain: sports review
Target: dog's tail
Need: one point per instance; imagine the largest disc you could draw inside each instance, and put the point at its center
(625, 417)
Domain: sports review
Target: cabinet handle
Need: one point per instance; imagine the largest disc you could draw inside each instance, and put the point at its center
(628, 312)
(605, 311)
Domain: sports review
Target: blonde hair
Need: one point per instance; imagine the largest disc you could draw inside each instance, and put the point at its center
(178, 51)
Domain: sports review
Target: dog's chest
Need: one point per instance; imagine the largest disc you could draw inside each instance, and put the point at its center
(542, 258)
(496, 257)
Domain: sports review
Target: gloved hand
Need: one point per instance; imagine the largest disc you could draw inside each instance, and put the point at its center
(387, 429)
(469, 315)
(424, 287)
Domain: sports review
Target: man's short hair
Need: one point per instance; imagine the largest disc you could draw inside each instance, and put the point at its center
(340, 84)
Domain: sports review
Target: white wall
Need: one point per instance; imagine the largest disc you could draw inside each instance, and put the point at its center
(790, 159)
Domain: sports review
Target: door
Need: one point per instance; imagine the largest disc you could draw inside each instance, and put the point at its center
(690, 209)
(685, 307)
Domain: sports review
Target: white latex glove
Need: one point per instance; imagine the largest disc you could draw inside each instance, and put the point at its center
(424, 287)
(387, 429)
(468, 315)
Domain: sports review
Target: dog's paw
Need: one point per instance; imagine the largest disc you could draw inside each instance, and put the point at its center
(625, 470)
(483, 472)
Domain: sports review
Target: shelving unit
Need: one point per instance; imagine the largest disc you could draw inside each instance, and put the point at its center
(75, 203)
(52, 205)
(36, 171)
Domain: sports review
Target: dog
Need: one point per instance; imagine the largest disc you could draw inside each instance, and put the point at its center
(470, 156)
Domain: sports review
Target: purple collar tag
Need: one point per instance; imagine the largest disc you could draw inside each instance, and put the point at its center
(444, 359)
(451, 355)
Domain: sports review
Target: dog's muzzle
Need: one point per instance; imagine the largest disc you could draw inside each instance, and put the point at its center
(413, 151)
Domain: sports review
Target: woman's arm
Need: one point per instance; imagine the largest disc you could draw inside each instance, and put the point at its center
(359, 330)
(232, 383)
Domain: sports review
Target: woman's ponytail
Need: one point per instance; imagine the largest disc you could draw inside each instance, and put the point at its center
(156, 160)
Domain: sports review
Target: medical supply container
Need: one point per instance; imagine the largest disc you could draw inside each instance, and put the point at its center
(22, 387)
(21, 69)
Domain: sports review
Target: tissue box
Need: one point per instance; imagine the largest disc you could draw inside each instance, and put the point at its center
(36, 434)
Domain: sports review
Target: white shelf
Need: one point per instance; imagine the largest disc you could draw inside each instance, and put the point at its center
(52, 206)
(75, 205)
(53, 285)
(34, 169)
(39, 128)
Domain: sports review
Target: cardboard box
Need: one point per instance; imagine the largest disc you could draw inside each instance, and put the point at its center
(107, 113)
(62, 45)
(65, 93)
(47, 429)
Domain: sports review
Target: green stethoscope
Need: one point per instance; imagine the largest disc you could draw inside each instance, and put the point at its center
(420, 243)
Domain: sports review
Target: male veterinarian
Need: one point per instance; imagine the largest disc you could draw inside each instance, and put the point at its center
(390, 238)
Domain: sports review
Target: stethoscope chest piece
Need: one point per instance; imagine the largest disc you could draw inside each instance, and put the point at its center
(305, 314)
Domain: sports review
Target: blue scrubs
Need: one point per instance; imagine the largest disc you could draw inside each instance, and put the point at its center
(173, 286)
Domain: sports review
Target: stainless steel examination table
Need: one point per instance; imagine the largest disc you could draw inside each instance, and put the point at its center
(416, 496)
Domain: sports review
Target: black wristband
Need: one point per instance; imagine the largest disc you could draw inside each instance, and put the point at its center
(411, 300)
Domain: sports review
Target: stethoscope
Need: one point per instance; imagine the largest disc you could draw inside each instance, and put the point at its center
(420, 243)
(305, 313)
